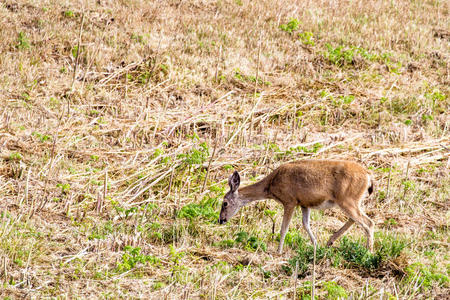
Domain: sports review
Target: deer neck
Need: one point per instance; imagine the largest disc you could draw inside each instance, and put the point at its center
(254, 192)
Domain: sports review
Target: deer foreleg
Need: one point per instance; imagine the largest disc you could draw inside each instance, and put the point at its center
(288, 212)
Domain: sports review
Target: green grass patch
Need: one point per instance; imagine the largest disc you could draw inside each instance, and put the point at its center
(132, 257)
(206, 210)
(349, 254)
(244, 240)
(334, 290)
(426, 277)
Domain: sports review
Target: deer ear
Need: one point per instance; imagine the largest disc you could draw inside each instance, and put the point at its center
(234, 181)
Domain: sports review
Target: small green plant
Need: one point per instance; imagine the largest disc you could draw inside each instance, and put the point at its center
(338, 55)
(137, 38)
(304, 291)
(307, 38)
(69, 14)
(54, 103)
(393, 67)
(158, 152)
(75, 51)
(158, 285)
(65, 188)
(250, 243)
(26, 96)
(175, 257)
(22, 41)
(266, 274)
(390, 222)
(427, 117)
(15, 156)
(334, 290)
(249, 78)
(302, 149)
(206, 210)
(42, 137)
(408, 185)
(425, 276)
(341, 101)
(381, 195)
(197, 155)
(357, 254)
(254, 243)
(227, 167)
(345, 55)
(122, 212)
(436, 95)
(390, 246)
(290, 26)
(305, 254)
(226, 243)
(132, 256)
(100, 232)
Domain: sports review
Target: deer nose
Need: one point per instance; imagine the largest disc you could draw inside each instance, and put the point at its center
(222, 221)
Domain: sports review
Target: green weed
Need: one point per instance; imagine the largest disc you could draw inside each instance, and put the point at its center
(196, 156)
(15, 156)
(334, 290)
(307, 38)
(304, 291)
(250, 243)
(350, 253)
(65, 188)
(138, 38)
(357, 254)
(75, 51)
(294, 150)
(132, 257)
(158, 285)
(101, 232)
(426, 276)
(42, 137)
(177, 268)
(338, 55)
(305, 254)
(69, 14)
(22, 41)
(290, 26)
(206, 210)
(249, 78)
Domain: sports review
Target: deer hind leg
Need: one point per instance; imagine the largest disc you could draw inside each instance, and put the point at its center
(340, 232)
(352, 210)
(305, 219)
(288, 212)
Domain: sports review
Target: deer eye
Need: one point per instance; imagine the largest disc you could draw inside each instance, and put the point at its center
(225, 204)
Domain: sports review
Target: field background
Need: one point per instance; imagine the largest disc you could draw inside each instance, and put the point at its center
(113, 113)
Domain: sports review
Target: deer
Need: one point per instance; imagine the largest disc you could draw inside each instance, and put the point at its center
(310, 184)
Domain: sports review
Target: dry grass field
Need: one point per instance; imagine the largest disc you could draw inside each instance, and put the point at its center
(121, 121)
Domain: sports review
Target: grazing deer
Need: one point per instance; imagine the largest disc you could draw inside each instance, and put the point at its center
(318, 184)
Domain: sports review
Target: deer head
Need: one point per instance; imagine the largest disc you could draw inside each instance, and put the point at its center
(231, 202)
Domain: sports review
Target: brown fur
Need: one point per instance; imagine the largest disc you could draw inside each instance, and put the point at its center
(312, 184)
(308, 183)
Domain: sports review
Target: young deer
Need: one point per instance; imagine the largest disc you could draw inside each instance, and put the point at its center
(318, 184)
